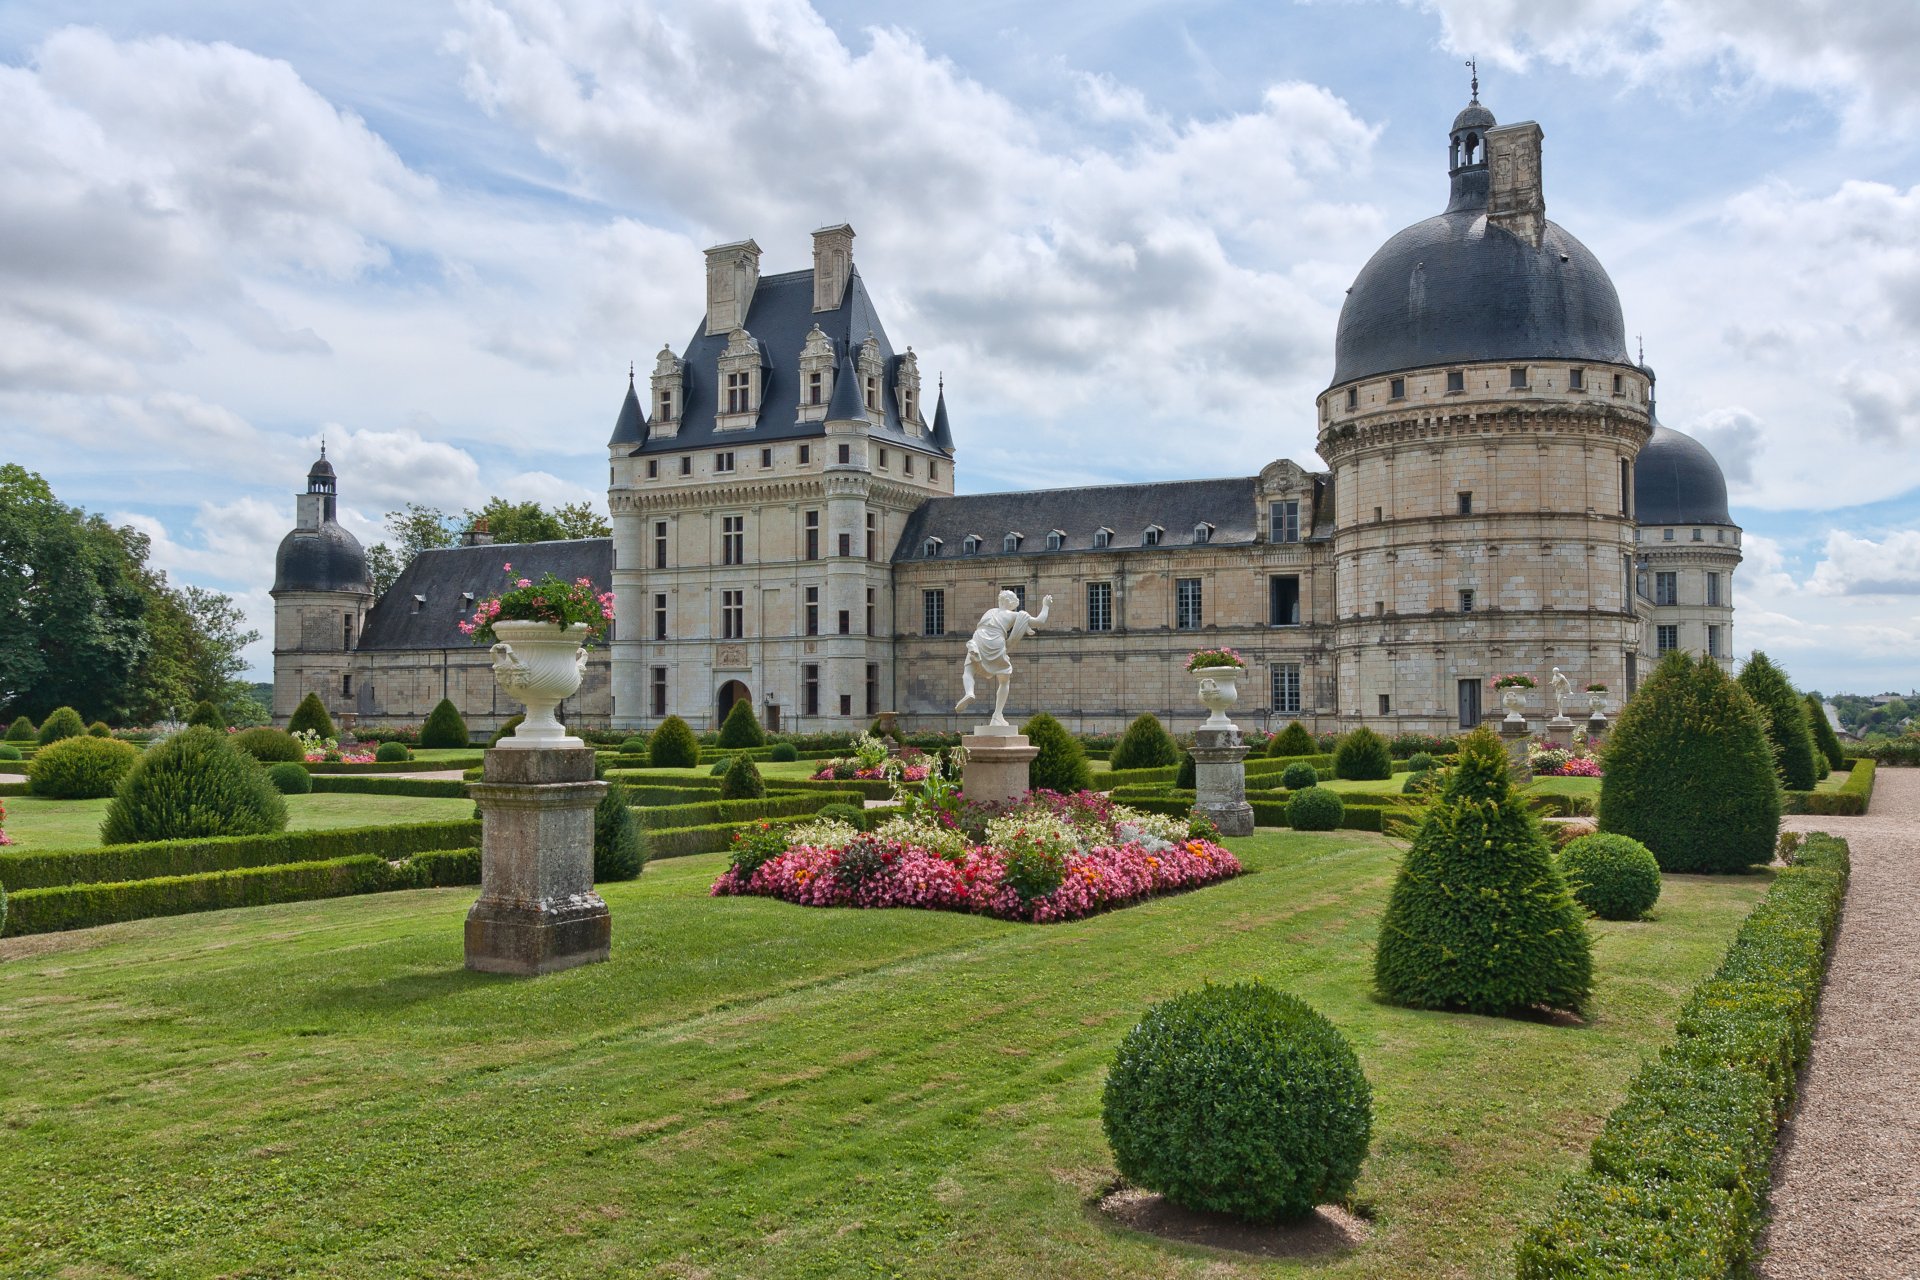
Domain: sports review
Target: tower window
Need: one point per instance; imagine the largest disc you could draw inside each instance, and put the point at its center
(846, 622)
(846, 454)
(846, 545)
(1386, 704)
(883, 459)
(806, 454)
(846, 704)
(810, 688)
(1353, 397)
(1456, 380)
(870, 604)
(1713, 590)
(346, 685)
(906, 464)
(1517, 378)
(873, 688)
(1699, 535)
(1713, 643)
(933, 471)
(1576, 379)
(653, 468)
(812, 522)
(659, 691)
(1466, 600)
(1666, 588)
(1666, 535)
(1397, 389)
(1619, 384)
(766, 458)
(346, 627)
(1465, 499)
(873, 535)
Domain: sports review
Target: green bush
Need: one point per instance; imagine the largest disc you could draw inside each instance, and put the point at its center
(63, 723)
(673, 745)
(720, 766)
(1145, 745)
(206, 716)
(741, 727)
(634, 744)
(392, 753)
(1362, 756)
(196, 783)
(311, 716)
(1294, 740)
(1188, 775)
(619, 847)
(22, 730)
(1785, 717)
(1480, 917)
(1062, 763)
(8, 751)
(784, 752)
(445, 788)
(269, 746)
(1851, 798)
(82, 906)
(1423, 782)
(1689, 771)
(855, 818)
(1298, 777)
(443, 729)
(1241, 1100)
(99, 729)
(1613, 876)
(1419, 762)
(743, 781)
(290, 779)
(1824, 737)
(80, 768)
(1316, 809)
(505, 730)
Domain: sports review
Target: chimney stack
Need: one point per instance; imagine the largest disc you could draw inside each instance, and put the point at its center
(832, 266)
(1515, 201)
(733, 270)
(477, 536)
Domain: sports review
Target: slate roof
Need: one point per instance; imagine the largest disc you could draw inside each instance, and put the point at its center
(1127, 509)
(780, 318)
(631, 426)
(1676, 481)
(324, 559)
(448, 576)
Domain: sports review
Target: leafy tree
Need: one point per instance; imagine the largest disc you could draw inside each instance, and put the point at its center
(1823, 735)
(531, 522)
(1363, 755)
(416, 529)
(312, 715)
(1145, 745)
(1786, 720)
(742, 728)
(1294, 740)
(444, 729)
(619, 845)
(1062, 764)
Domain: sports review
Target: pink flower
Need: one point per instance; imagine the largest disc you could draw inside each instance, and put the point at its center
(523, 583)
(507, 567)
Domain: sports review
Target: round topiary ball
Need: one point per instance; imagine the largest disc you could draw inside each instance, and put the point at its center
(8, 751)
(673, 745)
(65, 722)
(1238, 1099)
(392, 753)
(99, 729)
(270, 746)
(855, 818)
(1316, 809)
(784, 752)
(720, 767)
(1299, 776)
(194, 784)
(290, 779)
(81, 768)
(1614, 876)
(634, 745)
(1419, 762)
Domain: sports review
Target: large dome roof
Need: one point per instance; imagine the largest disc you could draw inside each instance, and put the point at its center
(324, 559)
(1676, 481)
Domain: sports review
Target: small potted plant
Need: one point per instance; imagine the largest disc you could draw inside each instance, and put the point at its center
(1218, 672)
(1597, 697)
(1512, 689)
(540, 632)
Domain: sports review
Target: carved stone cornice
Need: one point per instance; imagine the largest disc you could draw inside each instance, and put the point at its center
(1621, 424)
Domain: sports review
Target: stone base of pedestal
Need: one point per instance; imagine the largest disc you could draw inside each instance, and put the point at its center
(537, 911)
(1514, 736)
(1220, 780)
(996, 767)
(1560, 732)
(1596, 729)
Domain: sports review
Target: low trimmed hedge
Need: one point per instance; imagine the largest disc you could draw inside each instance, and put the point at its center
(444, 868)
(392, 766)
(20, 871)
(431, 788)
(16, 788)
(82, 906)
(1676, 1182)
(714, 811)
(1850, 799)
(1270, 813)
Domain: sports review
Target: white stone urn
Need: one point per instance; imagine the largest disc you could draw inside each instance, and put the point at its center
(539, 664)
(1219, 689)
(1514, 699)
(1597, 702)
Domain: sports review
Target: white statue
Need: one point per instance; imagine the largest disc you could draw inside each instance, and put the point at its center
(1562, 690)
(987, 654)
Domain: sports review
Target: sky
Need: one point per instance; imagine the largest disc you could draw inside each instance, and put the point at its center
(436, 234)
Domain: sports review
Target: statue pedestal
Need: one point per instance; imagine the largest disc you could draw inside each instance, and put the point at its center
(1560, 732)
(996, 767)
(1596, 728)
(1514, 736)
(1220, 780)
(537, 911)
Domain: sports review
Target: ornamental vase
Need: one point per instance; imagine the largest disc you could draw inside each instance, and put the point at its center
(1514, 699)
(1597, 702)
(1219, 689)
(540, 665)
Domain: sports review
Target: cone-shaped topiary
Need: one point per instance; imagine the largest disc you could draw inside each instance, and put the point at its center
(392, 753)
(1189, 776)
(1480, 918)
(443, 729)
(1823, 735)
(311, 715)
(290, 779)
(1316, 809)
(1299, 775)
(741, 728)
(1062, 764)
(619, 845)
(1785, 716)
(1145, 745)
(194, 784)
(505, 730)
(742, 781)
(269, 746)
(1239, 1100)
(82, 768)
(98, 729)
(63, 723)
(1294, 740)
(1363, 755)
(1690, 773)
(673, 745)
(206, 716)
(21, 730)
(1615, 877)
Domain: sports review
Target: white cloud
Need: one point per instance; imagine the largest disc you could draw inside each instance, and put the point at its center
(403, 466)
(1853, 566)
(549, 490)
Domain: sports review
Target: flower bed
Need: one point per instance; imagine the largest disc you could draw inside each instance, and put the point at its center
(871, 761)
(1562, 762)
(907, 773)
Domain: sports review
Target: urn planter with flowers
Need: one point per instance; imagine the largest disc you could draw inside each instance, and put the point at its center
(539, 632)
(1597, 698)
(1513, 689)
(1217, 672)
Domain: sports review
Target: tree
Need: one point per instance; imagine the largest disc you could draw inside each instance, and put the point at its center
(741, 728)
(1363, 755)
(1145, 745)
(311, 715)
(1786, 720)
(1062, 764)
(207, 715)
(444, 729)
(673, 746)
(1294, 740)
(416, 529)
(1823, 735)
(742, 781)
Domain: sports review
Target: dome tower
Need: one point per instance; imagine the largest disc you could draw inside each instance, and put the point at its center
(321, 593)
(1689, 544)
(1481, 426)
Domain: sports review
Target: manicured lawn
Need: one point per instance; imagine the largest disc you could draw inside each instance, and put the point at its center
(1567, 786)
(35, 823)
(749, 1089)
(467, 755)
(1372, 786)
(767, 768)
(1832, 782)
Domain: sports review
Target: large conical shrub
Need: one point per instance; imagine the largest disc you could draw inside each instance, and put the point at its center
(1824, 738)
(742, 781)
(443, 729)
(1062, 764)
(673, 746)
(206, 716)
(21, 730)
(741, 728)
(1294, 740)
(194, 784)
(63, 723)
(619, 845)
(1786, 720)
(1481, 918)
(312, 715)
(1145, 745)
(1363, 755)
(1690, 773)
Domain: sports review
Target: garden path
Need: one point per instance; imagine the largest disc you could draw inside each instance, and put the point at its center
(1846, 1195)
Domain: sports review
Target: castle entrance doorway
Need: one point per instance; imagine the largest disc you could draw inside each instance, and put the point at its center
(730, 692)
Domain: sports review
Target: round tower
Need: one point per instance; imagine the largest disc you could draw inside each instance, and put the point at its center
(321, 593)
(1689, 545)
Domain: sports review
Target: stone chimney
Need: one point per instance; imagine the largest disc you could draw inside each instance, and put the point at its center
(478, 536)
(832, 266)
(733, 270)
(1515, 201)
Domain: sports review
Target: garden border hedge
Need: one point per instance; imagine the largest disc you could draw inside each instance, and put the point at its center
(1676, 1182)
(390, 766)
(59, 908)
(707, 813)
(1850, 799)
(431, 788)
(1273, 813)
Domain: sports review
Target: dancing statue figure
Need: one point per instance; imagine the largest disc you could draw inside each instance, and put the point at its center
(1562, 690)
(987, 654)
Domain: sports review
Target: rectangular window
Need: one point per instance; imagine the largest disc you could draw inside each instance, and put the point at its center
(873, 395)
(1633, 673)
(723, 462)
(1019, 590)
(686, 465)
(846, 704)
(666, 405)
(810, 688)
(659, 544)
(660, 615)
(1397, 389)
(883, 459)
(1099, 606)
(1464, 500)
(1186, 604)
(1466, 600)
(346, 625)
(1386, 705)
(846, 623)
(873, 535)
(1626, 492)
(870, 604)
(733, 615)
(806, 454)
(1666, 637)
(1713, 643)
(1699, 535)
(659, 691)
(813, 611)
(346, 685)
(1283, 600)
(933, 613)
(733, 539)
(1353, 397)
(933, 471)
(815, 388)
(1286, 688)
(1283, 521)
(766, 458)
(737, 388)
(812, 522)
(1619, 385)
(1456, 380)
(653, 468)
(846, 545)
(1713, 588)
(1666, 588)
(1666, 535)
(846, 454)
(1469, 700)
(906, 464)
(873, 688)
(1517, 378)
(1576, 379)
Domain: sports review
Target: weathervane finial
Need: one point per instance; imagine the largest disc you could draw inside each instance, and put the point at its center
(1641, 342)
(1473, 65)
(323, 448)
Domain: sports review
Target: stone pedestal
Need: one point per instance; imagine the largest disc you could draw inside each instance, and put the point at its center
(996, 767)
(537, 911)
(1597, 728)
(1514, 736)
(1220, 780)
(1560, 732)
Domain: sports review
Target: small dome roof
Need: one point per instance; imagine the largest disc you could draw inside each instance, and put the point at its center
(320, 468)
(1473, 116)
(324, 559)
(1677, 481)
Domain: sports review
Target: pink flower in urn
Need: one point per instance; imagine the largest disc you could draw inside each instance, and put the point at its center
(524, 582)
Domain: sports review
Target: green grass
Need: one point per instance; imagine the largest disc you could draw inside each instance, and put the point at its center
(749, 1089)
(1832, 782)
(768, 769)
(1371, 786)
(465, 755)
(36, 823)
(1566, 786)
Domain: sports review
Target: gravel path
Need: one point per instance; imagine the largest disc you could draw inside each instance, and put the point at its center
(1846, 1192)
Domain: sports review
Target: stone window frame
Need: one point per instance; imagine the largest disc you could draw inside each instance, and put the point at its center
(1666, 587)
(733, 614)
(1189, 604)
(653, 468)
(1283, 520)
(1666, 637)
(733, 540)
(1466, 599)
(1517, 379)
(873, 600)
(1011, 543)
(1456, 382)
(1151, 537)
(810, 615)
(1577, 379)
(930, 549)
(723, 462)
(809, 688)
(1102, 538)
(873, 688)
(686, 464)
(1274, 595)
(660, 616)
(1056, 539)
(810, 535)
(1100, 605)
(659, 691)
(970, 545)
(740, 382)
(1396, 388)
(1284, 684)
(933, 611)
(1202, 533)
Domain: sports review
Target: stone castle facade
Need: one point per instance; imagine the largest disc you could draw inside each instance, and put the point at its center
(1497, 495)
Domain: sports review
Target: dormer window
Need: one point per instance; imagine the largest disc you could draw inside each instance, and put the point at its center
(873, 395)
(1056, 540)
(419, 603)
(816, 388)
(666, 404)
(1152, 536)
(1202, 532)
(1012, 541)
(930, 548)
(738, 392)
(1102, 537)
(972, 545)
(741, 382)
